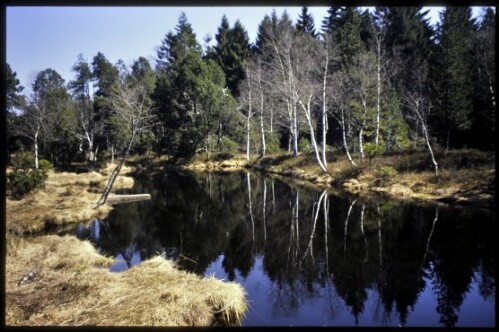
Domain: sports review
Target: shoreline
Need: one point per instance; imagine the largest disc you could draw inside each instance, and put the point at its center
(68, 282)
(453, 188)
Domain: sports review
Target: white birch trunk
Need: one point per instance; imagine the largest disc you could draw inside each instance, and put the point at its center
(248, 124)
(115, 173)
(361, 130)
(378, 92)
(271, 120)
(435, 164)
(263, 212)
(295, 131)
(343, 130)
(250, 208)
(346, 226)
(312, 234)
(262, 131)
(308, 116)
(324, 111)
(36, 148)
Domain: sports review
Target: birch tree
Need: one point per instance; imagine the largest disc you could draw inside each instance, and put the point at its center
(80, 87)
(261, 87)
(361, 77)
(131, 104)
(281, 42)
(37, 119)
(378, 28)
(420, 107)
(306, 84)
(341, 108)
(246, 99)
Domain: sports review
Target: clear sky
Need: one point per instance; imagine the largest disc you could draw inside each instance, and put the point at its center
(52, 37)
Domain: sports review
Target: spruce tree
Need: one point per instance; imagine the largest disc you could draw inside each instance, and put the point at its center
(348, 36)
(104, 74)
(454, 65)
(12, 89)
(409, 36)
(331, 22)
(175, 46)
(266, 26)
(230, 52)
(13, 99)
(305, 22)
(484, 99)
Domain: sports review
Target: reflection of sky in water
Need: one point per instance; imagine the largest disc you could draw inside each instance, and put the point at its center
(120, 264)
(317, 311)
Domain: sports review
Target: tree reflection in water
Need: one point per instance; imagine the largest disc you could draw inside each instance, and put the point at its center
(341, 260)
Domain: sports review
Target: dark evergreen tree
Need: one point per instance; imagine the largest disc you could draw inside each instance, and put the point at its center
(484, 99)
(454, 65)
(175, 46)
(12, 100)
(166, 96)
(265, 30)
(348, 35)
(105, 75)
(239, 50)
(80, 86)
(365, 27)
(165, 55)
(142, 72)
(305, 22)
(331, 22)
(409, 36)
(189, 96)
(90, 122)
(12, 89)
(230, 52)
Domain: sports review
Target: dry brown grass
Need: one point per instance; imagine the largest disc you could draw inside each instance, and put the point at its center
(466, 176)
(73, 288)
(67, 198)
(218, 162)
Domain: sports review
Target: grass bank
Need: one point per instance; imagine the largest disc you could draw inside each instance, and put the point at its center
(467, 177)
(66, 199)
(70, 284)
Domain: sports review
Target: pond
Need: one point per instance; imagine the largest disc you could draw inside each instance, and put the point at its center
(309, 258)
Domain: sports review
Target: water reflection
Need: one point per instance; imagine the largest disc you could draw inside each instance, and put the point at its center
(307, 258)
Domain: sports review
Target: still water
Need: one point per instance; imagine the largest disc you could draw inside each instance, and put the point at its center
(306, 258)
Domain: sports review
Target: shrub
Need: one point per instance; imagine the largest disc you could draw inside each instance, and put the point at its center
(24, 177)
(228, 145)
(21, 181)
(304, 145)
(44, 165)
(24, 160)
(273, 144)
(384, 175)
(372, 150)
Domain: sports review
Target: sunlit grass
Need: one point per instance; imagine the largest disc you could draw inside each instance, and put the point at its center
(74, 287)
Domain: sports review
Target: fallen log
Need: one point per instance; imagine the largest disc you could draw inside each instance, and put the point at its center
(117, 199)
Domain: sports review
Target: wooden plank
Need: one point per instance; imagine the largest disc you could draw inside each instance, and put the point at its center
(117, 199)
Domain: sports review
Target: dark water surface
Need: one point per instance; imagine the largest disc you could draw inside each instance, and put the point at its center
(306, 258)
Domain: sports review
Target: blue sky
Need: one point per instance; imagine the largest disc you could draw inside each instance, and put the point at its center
(52, 37)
